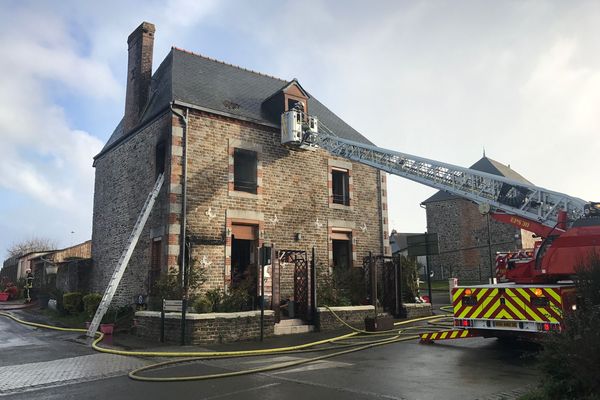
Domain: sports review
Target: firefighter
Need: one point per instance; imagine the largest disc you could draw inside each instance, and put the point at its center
(28, 286)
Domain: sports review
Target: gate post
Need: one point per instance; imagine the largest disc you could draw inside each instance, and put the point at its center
(313, 286)
(275, 278)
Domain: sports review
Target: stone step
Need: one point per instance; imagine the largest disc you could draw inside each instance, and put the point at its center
(290, 322)
(293, 329)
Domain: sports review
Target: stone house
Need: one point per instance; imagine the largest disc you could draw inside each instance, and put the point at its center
(463, 231)
(213, 129)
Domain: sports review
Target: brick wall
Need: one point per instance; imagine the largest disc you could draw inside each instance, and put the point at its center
(124, 178)
(355, 316)
(292, 196)
(205, 328)
(462, 234)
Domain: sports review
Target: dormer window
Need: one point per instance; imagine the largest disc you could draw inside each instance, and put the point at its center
(291, 104)
(285, 99)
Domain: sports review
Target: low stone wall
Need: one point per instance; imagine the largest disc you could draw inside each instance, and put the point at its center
(352, 315)
(205, 328)
(416, 310)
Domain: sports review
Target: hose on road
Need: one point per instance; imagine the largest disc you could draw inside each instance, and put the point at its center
(357, 344)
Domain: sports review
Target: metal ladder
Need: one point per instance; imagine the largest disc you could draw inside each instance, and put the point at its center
(514, 197)
(115, 279)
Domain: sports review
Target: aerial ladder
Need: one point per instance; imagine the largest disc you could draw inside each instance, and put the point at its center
(539, 290)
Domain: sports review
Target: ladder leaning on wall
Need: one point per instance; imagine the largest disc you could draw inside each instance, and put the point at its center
(113, 283)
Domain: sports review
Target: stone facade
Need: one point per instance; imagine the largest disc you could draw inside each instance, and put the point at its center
(354, 316)
(462, 234)
(293, 197)
(205, 328)
(124, 178)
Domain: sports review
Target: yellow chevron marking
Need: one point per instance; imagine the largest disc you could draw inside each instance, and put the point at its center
(444, 335)
(464, 333)
(515, 311)
(503, 315)
(532, 315)
(466, 311)
(492, 309)
(554, 294)
(456, 308)
(454, 334)
(457, 294)
(489, 296)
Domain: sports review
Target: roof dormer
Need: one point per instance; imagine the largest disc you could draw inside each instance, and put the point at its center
(285, 99)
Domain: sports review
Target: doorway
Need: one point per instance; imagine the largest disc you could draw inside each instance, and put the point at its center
(244, 271)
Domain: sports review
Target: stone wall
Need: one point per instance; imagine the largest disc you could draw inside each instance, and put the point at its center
(74, 276)
(462, 234)
(292, 196)
(352, 315)
(124, 177)
(417, 310)
(205, 328)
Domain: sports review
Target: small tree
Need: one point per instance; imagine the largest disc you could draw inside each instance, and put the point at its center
(570, 360)
(168, 286)
(410, 273)
(32, 244)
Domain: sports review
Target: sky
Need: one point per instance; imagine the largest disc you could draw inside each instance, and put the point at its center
(442, 80)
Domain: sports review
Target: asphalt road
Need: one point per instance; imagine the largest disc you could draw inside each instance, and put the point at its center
(38, 364)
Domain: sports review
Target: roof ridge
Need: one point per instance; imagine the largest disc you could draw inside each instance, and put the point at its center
(226, 63)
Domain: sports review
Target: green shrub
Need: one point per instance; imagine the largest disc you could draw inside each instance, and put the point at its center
(111, 315)
(72, 302)
(168, 286)
(216, 300)
(91, 302)
(334, 289)
(570, 360)
(202, 305)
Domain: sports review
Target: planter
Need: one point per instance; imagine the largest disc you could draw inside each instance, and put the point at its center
(380, 323)
(107, 329)
(3, 296)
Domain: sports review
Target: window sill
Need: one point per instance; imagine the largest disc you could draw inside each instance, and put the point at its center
(341, 207)
(237, 193)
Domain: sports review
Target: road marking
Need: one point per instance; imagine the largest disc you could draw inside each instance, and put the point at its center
(63, 371)
(220, 396)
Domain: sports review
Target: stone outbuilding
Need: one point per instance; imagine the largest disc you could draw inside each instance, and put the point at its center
(244, 189)
(463, 231)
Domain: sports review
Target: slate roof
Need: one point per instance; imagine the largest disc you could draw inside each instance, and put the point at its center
(485, 164)
(223, 88)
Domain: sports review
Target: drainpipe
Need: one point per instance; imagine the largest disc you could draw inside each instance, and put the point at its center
(380, 207)
(182, 247)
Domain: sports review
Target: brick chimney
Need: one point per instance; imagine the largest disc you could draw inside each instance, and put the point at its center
(139, 73)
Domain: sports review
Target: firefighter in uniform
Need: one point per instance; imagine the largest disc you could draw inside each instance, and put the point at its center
(28, 286)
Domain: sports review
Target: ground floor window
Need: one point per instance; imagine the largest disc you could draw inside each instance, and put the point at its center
(341, 244)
